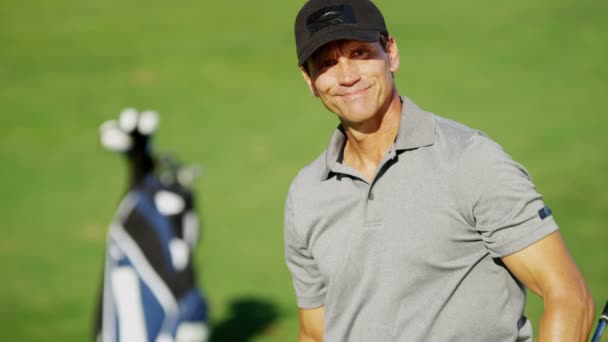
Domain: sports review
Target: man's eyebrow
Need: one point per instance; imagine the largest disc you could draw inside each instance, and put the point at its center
(322, 55)
(325, 54)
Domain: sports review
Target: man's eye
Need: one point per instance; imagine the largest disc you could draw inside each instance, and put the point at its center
(359, 52)
(327, 64)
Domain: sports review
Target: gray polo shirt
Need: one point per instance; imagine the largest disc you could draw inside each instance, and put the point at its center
(415, 254)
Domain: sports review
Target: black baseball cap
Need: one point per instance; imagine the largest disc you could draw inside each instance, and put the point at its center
(322, 21)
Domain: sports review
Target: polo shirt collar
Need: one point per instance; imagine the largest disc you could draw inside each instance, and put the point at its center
(417, 129)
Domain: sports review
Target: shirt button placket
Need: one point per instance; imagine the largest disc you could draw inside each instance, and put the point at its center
(372, 211)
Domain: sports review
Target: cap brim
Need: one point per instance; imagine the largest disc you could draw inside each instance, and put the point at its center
(324, 37)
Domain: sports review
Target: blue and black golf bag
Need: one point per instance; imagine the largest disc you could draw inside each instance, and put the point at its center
(149, 290)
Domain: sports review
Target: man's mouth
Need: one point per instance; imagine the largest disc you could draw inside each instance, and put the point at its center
(356, 93)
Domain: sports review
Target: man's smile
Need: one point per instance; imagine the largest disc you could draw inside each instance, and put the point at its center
(356, 93)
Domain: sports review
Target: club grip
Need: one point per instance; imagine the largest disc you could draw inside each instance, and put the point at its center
(601, 325)
(604, 315)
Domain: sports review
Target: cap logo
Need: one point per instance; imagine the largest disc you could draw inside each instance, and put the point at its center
(330, 16)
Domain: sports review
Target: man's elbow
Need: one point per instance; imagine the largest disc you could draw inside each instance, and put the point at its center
(585, 305)
(576, 303)
(589, 309)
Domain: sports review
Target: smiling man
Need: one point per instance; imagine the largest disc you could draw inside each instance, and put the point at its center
(412, 227)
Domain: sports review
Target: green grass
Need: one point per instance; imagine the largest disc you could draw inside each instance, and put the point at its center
(223, 76)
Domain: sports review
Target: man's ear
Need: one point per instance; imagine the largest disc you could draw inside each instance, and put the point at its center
(393, 53)
(309, 82)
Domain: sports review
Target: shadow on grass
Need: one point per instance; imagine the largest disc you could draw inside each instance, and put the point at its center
(249, 317)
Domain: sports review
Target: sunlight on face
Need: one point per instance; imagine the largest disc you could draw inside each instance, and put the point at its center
(354, 78)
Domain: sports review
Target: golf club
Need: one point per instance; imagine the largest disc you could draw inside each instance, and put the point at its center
(601, 325)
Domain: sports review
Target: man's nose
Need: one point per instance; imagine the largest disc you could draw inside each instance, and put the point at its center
(348, 72)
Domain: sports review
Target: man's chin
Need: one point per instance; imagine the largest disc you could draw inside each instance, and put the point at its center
(358, 111)
(358, 119)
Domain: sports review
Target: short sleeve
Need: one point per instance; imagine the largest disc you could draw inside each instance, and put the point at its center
(307, 279)
(508, 211)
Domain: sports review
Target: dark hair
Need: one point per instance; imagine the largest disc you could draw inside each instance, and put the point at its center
(384, 41)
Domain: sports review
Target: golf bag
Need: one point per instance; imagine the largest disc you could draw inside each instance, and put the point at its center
(149, 291)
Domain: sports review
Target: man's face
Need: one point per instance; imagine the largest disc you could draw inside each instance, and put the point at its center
(353, 78)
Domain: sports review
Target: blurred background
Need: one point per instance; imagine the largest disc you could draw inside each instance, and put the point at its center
(223, 76)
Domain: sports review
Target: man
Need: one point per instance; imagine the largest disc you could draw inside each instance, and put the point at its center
(412, 227)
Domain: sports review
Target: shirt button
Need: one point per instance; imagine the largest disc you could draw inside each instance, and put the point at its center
(370, 196)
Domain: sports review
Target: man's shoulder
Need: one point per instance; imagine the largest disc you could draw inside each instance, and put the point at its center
(459, 137)
(455, 132)
(471, 152)
(310, 175)
(448, 135)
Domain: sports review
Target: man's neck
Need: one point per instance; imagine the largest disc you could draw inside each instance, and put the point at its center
(368, 143)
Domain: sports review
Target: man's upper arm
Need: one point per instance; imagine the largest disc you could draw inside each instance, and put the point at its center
(546, 265)
(311, 324)
(517, 227)
(546, 268)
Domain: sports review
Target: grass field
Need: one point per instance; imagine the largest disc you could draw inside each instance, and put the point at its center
(531, 74)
